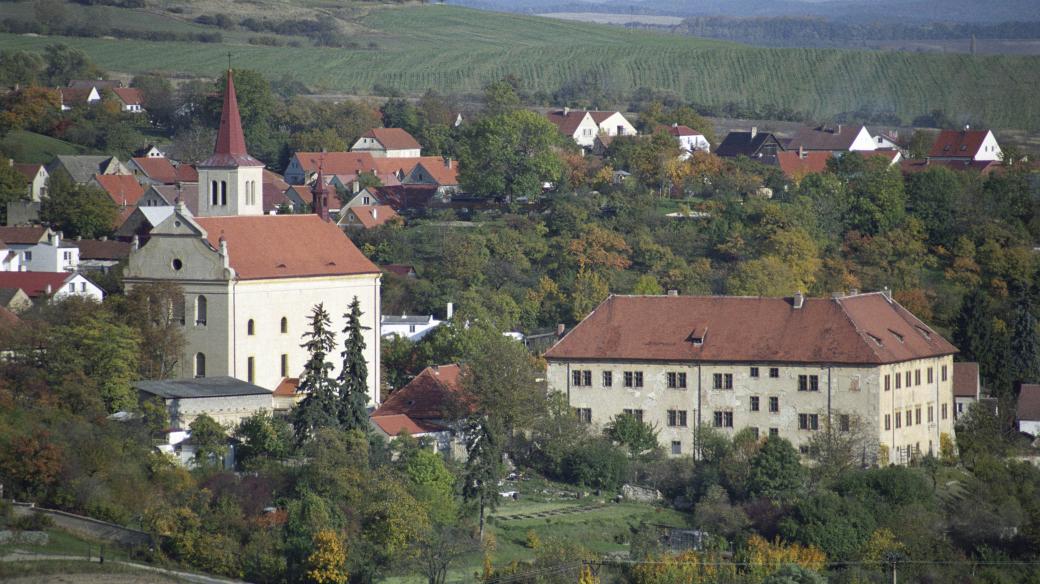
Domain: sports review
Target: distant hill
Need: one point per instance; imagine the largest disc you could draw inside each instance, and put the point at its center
(457, 50)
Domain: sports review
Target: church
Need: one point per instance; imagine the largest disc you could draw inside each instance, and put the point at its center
(251, 280)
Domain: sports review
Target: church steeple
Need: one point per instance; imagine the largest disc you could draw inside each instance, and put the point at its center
(320, 194)
(230, 149)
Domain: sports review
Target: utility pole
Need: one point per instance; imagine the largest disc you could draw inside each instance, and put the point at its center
(893, 572)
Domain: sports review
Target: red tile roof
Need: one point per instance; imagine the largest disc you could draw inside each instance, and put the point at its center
(336, 162)
(601, 116)
(23, 235)
(966, 380)
(402, 197)
(395, 424)
(400, 270)
(73, 95)
(285, 246)
(439, 170)
(287, 387)
(1029, 403)
(861, 329)
(163, 171)
(567, 122)
(957, 144)
(129, 95)
(393, 138)
(680, 130)
(432, 395)
(363, 215)
(123, 188)
(796, 164)
(983, 167)
(230, 149)
(35, 284)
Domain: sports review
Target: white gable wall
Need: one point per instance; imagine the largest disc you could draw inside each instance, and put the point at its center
(864, 142)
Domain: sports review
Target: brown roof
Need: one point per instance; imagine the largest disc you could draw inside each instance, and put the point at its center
(285, 246)
(438, 169)
(23, 235)
(336, 162)
(96, 249)
(796, 164)
(72, 95)
(393, 138)
(363, 214)
(395, 424)
(230, 149)
(983, 167)
(966, 380)
(287, 387)
(957, 144)
(567, 122)
(601, 116)
(860, 329)
(129, 95)
(680, 130)
(825, 138)
(402, 197)
(1029, 403)
(29, 171)
(402, 270)
(123, 188)
(8, 319)
(430, 396)
(160, 169)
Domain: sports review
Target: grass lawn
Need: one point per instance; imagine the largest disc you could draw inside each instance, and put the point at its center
(30, 147)
(63, 544)
(36, 571)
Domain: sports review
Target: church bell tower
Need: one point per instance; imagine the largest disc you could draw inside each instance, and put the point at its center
(230, 181)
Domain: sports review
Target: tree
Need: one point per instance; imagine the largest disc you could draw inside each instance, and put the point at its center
(589, 291)
(262, 436)
(65, 63)
(257, 105)
(554, 434)
(794, 574)
(29, 108)
(210, 441)
(596, 463)
(440, 548)
(500, 98)
(104, 350)
(77, 210)
(648, 285)
(509, 155)
(50, 13)
(628, 431)
(353, 378)
(155, 311)
(320, 408)
(20, 68)
(327, 564)
(158, 96)
(776, 472)
(1025, 342)
(841, 446)
(484, 466)
(13, 187)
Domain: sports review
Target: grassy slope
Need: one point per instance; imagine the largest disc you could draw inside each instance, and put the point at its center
(458, 50)
(30, 147)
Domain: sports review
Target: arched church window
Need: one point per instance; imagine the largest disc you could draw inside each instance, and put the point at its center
(285, 325)
(200, 364)
(201, 310)
(213, 193)
(250, 328)
(223, 192)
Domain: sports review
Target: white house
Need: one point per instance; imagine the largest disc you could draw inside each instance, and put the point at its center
(388, 143)
(966, 145)
(73, 96)
(411, 327)
(37, 176)
(251, 281)
(42, 249)
(690, 140)
(225, 399)
(52, 285)
(1028, 410)
(613, 123)
(130, 99)
(10, 260)
(836, 139)
(577, 125)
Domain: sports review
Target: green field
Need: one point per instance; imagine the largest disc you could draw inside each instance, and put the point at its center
(30, 147)
(459, 50)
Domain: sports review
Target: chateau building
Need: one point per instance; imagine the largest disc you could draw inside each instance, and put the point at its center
(780, 366)
(250, 280)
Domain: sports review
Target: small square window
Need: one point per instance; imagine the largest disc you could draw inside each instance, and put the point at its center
(754, 372)
(774, 431)
(608, 379)
(754, 403)
(676, 447)
(774, 404)
(774, 372)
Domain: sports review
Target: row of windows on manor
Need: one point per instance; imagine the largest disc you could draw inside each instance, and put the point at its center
(913, 378)
(200, 366)
(201, 316)
(218, 192)
(913, 416)
(678, 379)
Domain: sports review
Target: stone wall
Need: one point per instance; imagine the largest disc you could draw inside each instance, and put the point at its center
(86, 527)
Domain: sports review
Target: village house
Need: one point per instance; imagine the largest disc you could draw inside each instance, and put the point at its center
(42, 249)
(140, 222)
(225, 399)
(367, 217)
(443, 175)
(45, 286)
(159, 170)
(250, 280)
(413, 327)
(690, 140)
(837, 139)
(124, 189)
(37, 176)
(428, 405)
(14, 300)
(81, 168)
(783, 367)
(10, 260)
(388, 143)
(1027, 412)
(101, 255)
(966, 387)
(71, 97)
(752, 144)
(965, 145)
(130, 99)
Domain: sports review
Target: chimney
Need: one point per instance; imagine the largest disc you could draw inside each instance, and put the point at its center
(887, 293)
(135, 244)
(56, 240)
(48, 290)
(673, 292)
(560, 329)
(450, 312)
(798, 300)
(375, 212)
(104, 238)
(80, 237)
(355, 187)
(754, 132)
(801, 151)
(838, 131)
(447, 162)
(566, 111)
(675, 124)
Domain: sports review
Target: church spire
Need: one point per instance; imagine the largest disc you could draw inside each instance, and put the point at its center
(320, 193)
(230, 149)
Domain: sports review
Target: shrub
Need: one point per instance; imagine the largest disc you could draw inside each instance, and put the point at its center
(596, 463)
(33, 522)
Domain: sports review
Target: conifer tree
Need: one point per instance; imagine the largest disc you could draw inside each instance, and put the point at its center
(973, 329)
(318, 409)
(1025, 344)
(484, 467)
(353, 379)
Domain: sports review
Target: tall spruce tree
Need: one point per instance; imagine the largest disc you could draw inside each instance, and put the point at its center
(484, 466)
(353, 379)
(973, 329)
(318, 409)
(1025, 343)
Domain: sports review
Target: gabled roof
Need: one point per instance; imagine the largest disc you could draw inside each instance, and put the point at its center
(393, 138)
(107, 249)
(745, 144)
(680, 130)
(83, 167)
(796, 164)
(123, 188)
(200, 388)
(371, 216)
(966, 380)
(1028, 403)
(230, 149)
(35, 284)
(170, 193)
(958, 143)
(439, 170)
(833, 138)
(983, 167)
(569, 120)
(129, 95)
(287, 387)
(402, 197)
(400, 270)
(285, 246)
(432, 395)
(24, 235)
(29, 171)
(865, 329)
(406, 319)
(73, 95)
(395, 424)
(336, 162)
(157, 169)
(600, 116)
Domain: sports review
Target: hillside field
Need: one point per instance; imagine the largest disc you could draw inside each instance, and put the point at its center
(457, 50)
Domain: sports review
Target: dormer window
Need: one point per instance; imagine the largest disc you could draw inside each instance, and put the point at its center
(698, 335)
(898, 336)
(924, 332)
(877, 340)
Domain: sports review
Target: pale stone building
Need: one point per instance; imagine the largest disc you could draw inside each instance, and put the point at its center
(781, 366)
(250, 280)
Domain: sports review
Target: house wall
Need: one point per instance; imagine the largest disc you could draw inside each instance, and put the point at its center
(406, 331)
(244, 191)
(1031, 427)
(863, 142)
(924, 435)
(961, 405)
(294, 173)
(50, 257)
(79, 286)
(585, 134)
(38, 186)
(989, 150)
(843, 390)
(226, 411)
(610, 125)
